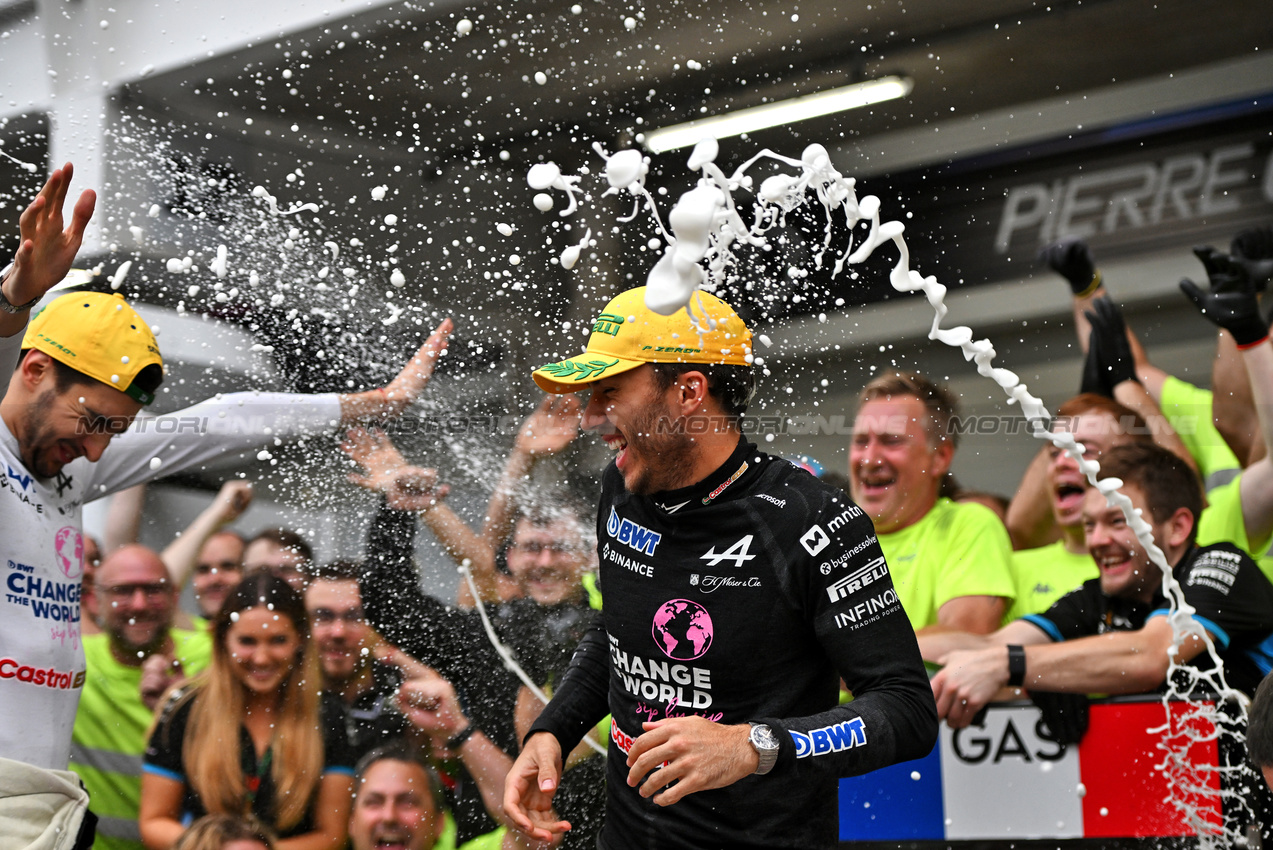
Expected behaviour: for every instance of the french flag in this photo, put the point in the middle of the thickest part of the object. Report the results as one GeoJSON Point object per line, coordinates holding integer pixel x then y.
{"type": "Point", "coordinates": [1005, 780]}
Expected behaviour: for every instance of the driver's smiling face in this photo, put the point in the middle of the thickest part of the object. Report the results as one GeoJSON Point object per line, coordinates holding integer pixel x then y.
{"type": "Point", "coordinates": [635, 419]}
{"type": "Point", "coordinates": [61, 425]}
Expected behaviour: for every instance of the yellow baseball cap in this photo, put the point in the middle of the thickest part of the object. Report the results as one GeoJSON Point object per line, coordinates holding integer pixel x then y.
{"type": "Point", "coordinates": [627, 333]}
{"type": "Point", "coordinates": [100, 335]}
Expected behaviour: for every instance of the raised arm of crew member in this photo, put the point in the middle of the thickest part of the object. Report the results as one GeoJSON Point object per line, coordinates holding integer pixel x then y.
{"type": "Point", "coordinates": [1114, 355]}
{"type": "Point", "coordinates": [1231, 304]}
{"type": "Point", "coordinates": [45, 253]}
{"type": "Point", "coordinates": [451, 641]}
{"type": "Point", "coordinates": [123, 518]}
{"type": "Point", "coordinates": [1030, 520]}
{"type": "Point", "coordinates": [181, 554]}
{"type": "Point", "coordinates": [1233, 407]}
{"type": "Point", "coordinates": [242, 421]}
{"type": "Point", "coordinates": [387, 471]}
{"type": "Point", "coordinates": [430, 705]}
{"type": "Point", "coordinates": [552, 427]}
{"type": "Point", "coordinates": [1072, 259]}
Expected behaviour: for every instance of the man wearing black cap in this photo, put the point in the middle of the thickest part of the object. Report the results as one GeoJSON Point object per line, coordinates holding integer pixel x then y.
{"type": "Point", "coordinates": [738, 591]}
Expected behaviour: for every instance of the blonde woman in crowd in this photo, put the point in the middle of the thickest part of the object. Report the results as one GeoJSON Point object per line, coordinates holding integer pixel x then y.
{"type": "Point", "coordinates": [253, 735]}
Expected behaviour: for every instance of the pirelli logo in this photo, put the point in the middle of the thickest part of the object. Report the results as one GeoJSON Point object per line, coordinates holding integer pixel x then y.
{"type": "Point", "coordinates": [852, 583]}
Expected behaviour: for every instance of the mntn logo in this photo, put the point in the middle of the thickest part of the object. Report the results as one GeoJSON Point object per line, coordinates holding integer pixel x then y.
{"type": "Point", "coordinates": [631, 534]}
{"type": "Point", "coordinates": [830, 739]}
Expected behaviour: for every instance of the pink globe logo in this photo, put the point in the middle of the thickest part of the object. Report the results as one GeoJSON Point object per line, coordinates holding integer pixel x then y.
{"type": "Point", "coordinates": [69, 547]}
{"type": "Point", "coordinates": [682, 629]}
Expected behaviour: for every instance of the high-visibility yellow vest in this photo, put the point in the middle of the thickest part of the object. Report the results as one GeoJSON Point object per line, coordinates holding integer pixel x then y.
{"type": "Point", "coordinates": [110, 734]}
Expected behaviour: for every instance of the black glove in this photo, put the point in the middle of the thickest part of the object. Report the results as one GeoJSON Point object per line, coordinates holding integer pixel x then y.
{"type": "Point", "coordinates": [1108, 347]}
{"type": "Point", "coordinates": [1072, 259]}
{"type": "Point", "coordinates": [1230, 303]}
{"type": "Point", "coordinates": [1253, 249]}
{"type": "Point", "coordinates": [1094, 379]}
{"type": "Point", "coordinates": [1065, 715]}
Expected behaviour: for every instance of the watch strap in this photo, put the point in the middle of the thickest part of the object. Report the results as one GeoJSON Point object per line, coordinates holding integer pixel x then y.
{"type": "Point", "coordinates": [1016, 665]}
{"type": "Point", "coordinates": [457, 740]}
{"type": "Point", "coordinates": [8, 306]}
{"type": "Point", "coordinates": [765, 743]}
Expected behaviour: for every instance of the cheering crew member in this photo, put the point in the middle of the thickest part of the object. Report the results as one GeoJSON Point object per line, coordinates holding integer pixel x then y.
{"type": "Point", "coordinates": [1112, 635]}
{"type": "Point", "coordinates": [739, 589]}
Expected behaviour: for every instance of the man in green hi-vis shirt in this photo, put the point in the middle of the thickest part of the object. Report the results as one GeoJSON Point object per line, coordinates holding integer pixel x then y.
{"type": "Point", "coordinates": [137, 602]}
{"type": "Point", "coordinates": [949, 560]}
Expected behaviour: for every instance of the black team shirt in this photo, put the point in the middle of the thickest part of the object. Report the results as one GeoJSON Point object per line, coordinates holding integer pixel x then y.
{"type": "Point", "coordinates": [745, 598]}
{"type": "Point", "coordinates": [1232, 599]}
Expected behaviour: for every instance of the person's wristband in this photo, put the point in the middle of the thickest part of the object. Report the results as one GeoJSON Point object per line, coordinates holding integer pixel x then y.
{"type": "Point", "coordinates": [1016, 666]}
{"type": "Point", "coordinates": [457, 740]}
{"type": "Point", "coordinates": [1250, 333]}
{"type": "Point", "coordinates": [1091, 287]}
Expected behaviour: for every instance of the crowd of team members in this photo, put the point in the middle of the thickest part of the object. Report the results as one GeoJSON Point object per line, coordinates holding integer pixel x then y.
{"type": "Point", "coordinates": [296, 679]}
{"type": "Point", "coordinates": [339, 703]}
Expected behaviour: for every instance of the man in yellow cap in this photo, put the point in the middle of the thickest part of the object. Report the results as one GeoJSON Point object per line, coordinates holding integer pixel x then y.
{"type": "Point", "coordinates": [80, 373]}
{"type": "Point", "coordinates": [739, 590]}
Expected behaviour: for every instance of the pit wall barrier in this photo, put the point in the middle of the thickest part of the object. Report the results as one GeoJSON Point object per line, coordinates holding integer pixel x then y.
{"type": "Point", "coordinates": [1003, 781]}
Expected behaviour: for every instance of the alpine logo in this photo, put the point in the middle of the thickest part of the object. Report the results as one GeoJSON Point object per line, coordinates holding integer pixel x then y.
{"type": "Point", "coordinates": [671, 509]}
{"type": "Point", "coordinates": [631, 534]}
{"type": "Point", "coordinates": [814, 540]}
{"type": "Point", "coordinates": [62, 481]}
{"type": "Point", "coordinates": [739, 553]}
{"type": "Point", "coordinates": [855, 581]}
{"type": "Point", "coordinates": [830, 739]}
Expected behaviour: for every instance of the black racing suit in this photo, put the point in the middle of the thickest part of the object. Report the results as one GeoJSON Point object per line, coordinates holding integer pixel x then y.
{"type": "Point", "coordinates": [746, 598]}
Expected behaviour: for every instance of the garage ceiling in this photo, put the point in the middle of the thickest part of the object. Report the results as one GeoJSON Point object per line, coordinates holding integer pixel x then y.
{"type": "Point", "coordinates": [373, 77]}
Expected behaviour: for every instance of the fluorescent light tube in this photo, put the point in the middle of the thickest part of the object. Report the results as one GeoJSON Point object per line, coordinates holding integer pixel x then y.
{"type": "Point", "coordinates": [777, 114]}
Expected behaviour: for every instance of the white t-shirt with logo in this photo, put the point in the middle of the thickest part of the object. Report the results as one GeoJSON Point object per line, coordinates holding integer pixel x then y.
{"type": "Point", "coordinates": [42, 545]}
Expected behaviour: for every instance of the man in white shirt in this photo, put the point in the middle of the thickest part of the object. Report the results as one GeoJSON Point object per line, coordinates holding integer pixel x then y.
{"type": "Point", "coordinates": [85, 367]}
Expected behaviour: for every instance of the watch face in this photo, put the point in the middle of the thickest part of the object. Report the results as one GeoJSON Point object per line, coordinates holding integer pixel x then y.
{"type": "Point", "coordinates": [764, 738]}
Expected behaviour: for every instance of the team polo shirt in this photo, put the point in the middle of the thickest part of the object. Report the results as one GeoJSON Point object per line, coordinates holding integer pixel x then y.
{"type": "Point", "coordinates": [163, 757]}
{"type": "Point", "coordinates": [110, 734]}
{"type": "Point", "coordinates": [957, 549]}
{"type": "Point", "coordinates": [1087, 611]}
{"type": "Point", "coordinates": [1045, 574]}
{"type": "Point", "coordinates": [1188, 409]}
{"type": "Point", "coordinates": [1231, 597]}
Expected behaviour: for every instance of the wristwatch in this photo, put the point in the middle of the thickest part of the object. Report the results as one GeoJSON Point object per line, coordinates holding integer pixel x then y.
{"type": "Point", "coordinates": [766, 744]}
{"type": "Point", "coordinates": [1016, 666]}
{"type": "Point", "coordinates": [8, 306]}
